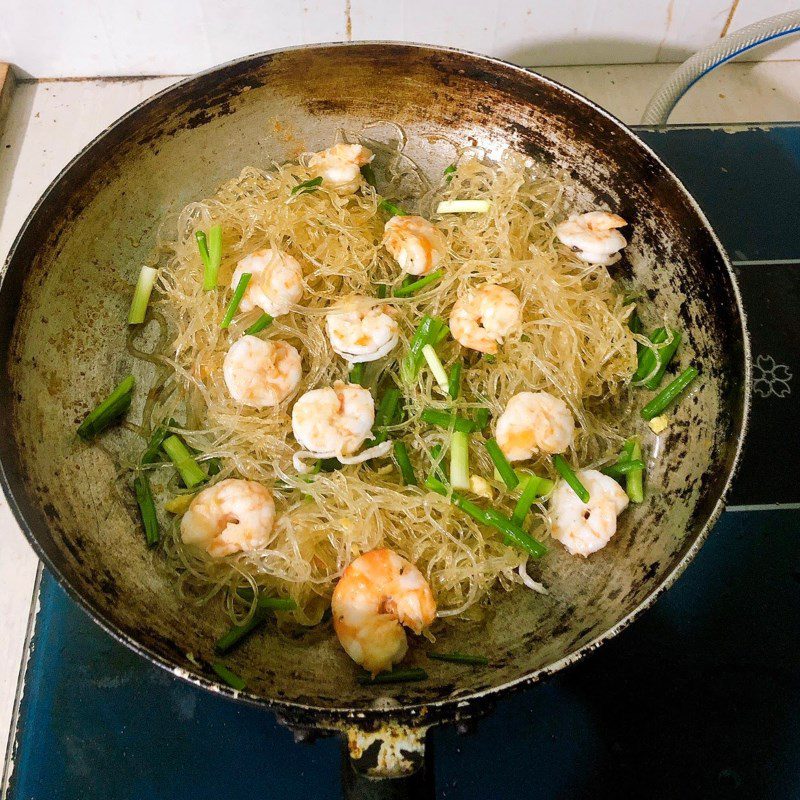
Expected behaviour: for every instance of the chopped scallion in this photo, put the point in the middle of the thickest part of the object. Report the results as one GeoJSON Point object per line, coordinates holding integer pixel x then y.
{"type": "Point", "coordinates": [436, 457]}
{"type": "Point", "coordinates": [501, 463]}
{"type": "Point", "coordinates": [416, 286]}
{"type": "Point", "coordinates": [462, 206]}
{"type": "Point", "coordinates": [634, 480]}
{"type": "Point", "coordinates": [449, 172]}
{"type": "Point", "coordinates": [381, 290]}
{"type": "Point", "coordinates": [147, 508]}
{"type": "Point", "coordinates": [567, 473]}
{"type": "Point", "coordinates": [311, 185]}
{"type": "Point", "coordinates": [653, 361]}
{"type": "Point", "coordinates": [404, 463]}
{"type": "Point", "coordinates": [141, 295]}
{"type": "Point", "coordinates": [231, 678]}
{"type": "Point", "coordinates": [385, 415]}
{"type": "Point", "coordinates": [356, 374]}
{"type": "Point", "coordinates": [460, 658]}
{"type": "Point", "coordinates": [669, 394]}
{"type": "Point", "coordinates": [533, 487]}
{"type": "Point", "coordinates": [454, 380]}
{"type": "Point", "coordinates": [622, 468]}
{"type": "Point", "coordinates": [388, 207]}
{"type": "Point", "coordinates": [481, 417]}
{"type": "Point", "coordinates": [238, 294]}
{"type": "Point", "coordinates": [114, 406]}
{"type": "Point", "coordinates": [160, 432]}
{"type": "Point", "coordinates": [449, 421]}
{"type": "Point", "coordinates": [265, 606]}
{"type": "Point", "coordinates": [215, 257]}
{"type": "Point", "coordinates": [189, 470]}
{"type": "Point", "coordinates": [395, 676]}
{"type": "Point", "coordinates": [264, 321]}
{"type": "Point", "coordinates": [436, 367]}
{"type": "Point", "coordinates": [459, 461]}
{"type": "Point", "coordinates": [426, 333]}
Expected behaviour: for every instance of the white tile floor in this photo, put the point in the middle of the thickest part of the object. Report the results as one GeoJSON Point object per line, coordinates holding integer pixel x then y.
{"type": "Point", "coordinates": [49, 122]}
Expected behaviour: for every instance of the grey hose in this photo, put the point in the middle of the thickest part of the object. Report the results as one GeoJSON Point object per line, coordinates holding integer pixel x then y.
{"type": "Point", "coordinates": [701, 63]}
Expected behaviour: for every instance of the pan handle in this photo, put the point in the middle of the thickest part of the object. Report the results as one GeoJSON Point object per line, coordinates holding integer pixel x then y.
{"type": "Point", "coordinates": [391, 763]}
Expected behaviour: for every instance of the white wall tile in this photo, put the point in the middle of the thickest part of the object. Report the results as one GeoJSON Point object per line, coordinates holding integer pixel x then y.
{"type": "Point", "coordinates": [150, 37]}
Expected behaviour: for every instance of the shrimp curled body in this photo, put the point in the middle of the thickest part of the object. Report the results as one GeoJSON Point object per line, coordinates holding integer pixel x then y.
{"type": "Point", "coordinates": [416, 244]}
{"type": "Point", "coordinates": [583, 528]}
{"type": "Point", "coordinates": [261, 373]}
{"type": "Point", "coordinates": [231, 516]}
{"type": "Point", "coordinates": [340, 166]}
{"type": "Point", "coordinates": [377, 595]}
{"type": "Point", "coordinates": [593, 236]}
{"type": "Point", "coordinates": [361, 331]}
{"type": "Point", "coordinates": [484, 316]}
{"type": "Point", "coordinates": [534, 422]}
{"type": "Point", "coordinates": [276, 283]}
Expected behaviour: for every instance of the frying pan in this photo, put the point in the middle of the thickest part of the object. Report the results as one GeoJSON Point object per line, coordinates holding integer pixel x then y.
{"type": "Point", "coordinates": [63, 304]}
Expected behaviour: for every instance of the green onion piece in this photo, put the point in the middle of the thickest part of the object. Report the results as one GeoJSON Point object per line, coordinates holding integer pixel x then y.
{"type": "Point", "coordinates": [264, 321]}
{"type": "Point", "coordinates": [271, 603]}
{"type": "Point", "coordinates": [652, 357]}
{"type": "Point", "coordinates": [395, 676]}
{"type": "Point", "coordinates": [566, 472]}
{"type": "Point", "coordinates": [356, 374]}
{"type": "Point", "coordinates": [460, 658]}
{"type": "Point", "coordinates": [404, 462]}
{"type": "Point", "coordinates": [387, 409]}
{"type": "Point", "coordinates": [454, 380]}
{"type": "Point", "coordinates": [265, 606]}
{"type": "Point", "coordinates": [449, 421]}
{"type": "Point", "coordinates": [202, 246]}
{"type": "Point", "coordinates": [489, 358]}
{"type": "Point", "coordinates": [141, 295]}
{"type": "Point", "coordinates": [311, 185]}
{"type": "Point", "coordinates": [412, 288]}
{"type": "Point", "coordinates": [388, 207]}
{"type": "Point", "coordinates": [238, 294]}
{"type": "Point", "coordinates": [381, 290]}
{"type": "Point", "coordinates": [635, 323]}
{"type": "Point", "coordinates": [449, 172]}
{"type": "Point", "coordinates": [665, 355]}
{"type": "Point", "coordinates": [531, 489]}
{"type": "Point", "coordinates": [443, 333]}
{"type": "Point", "coordinates": [211, 272]}
{"type": "Point", "coordinates": [436, 457]}
{"type": "Point", "coordinates": [368, 174]}
{"type": "Point", "coordinates": [481, 417]}
{"type": "Point", "coordinates": [189, 470]}
{"type": "Point", "coordinates": [459, 461]}
{"type": "Point", "coordinates": [150, 455]}
{"type": "Point", "coordinates": [669, 394]}
{"type": "Point", "coordinates": [513, 532]}
{"type": "Point", "coordinates": [115, 405]}
{"type": "Point", "coordinates": [501, 462]}
{"type": "Point", "coordinates": [231, 678]}
{"type": "Point", "coordinates": [147, 508]}
{"type": "Point", "coordinates": [427, 331]}
{"type": "Point", "coordinates": [622, 468]}
{"type": "Point", "coordinates": [634, 482]}
{"type": "Point", "coordinates": [436, 367]}
{"type": "Point", "coordinates": [462, 206]}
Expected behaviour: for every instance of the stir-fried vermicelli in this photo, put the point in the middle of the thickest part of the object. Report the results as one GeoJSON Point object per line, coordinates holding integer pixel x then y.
{"type": "Point", "coordinates": [573, 341]}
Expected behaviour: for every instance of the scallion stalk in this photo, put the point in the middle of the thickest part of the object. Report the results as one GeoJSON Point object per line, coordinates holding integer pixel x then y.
{"type": "Point", "coordinates": [388, 207]}
{"type": "Point", "coordinates": [264, 321]}
{"type": "Point", "coordinates": [265, 606]}
{"type": "Point", "coordinates": [505, 469]}
{"type": "Point", "coordinates": [404, 463]}
{"type": "Point", "coordinates": [114, 406]}
{"type": "Point", "coordinates": [215, 257]}
{"type": "Point", "coordinates": [387, 408]}
{"type": "Point", "coordinates": [160, 432]}
{"type": "Point", "coordinates": [141, 295]}
{"type": "Point", "coordinates": [189, 470]}
{"type": "Point", "coordinates": [669, 394]}
{"type": "Point", "coordinates": [463, 206]}
{"type": "Point", "coordinates": [436, 367]}
{"type": "Point", "coordinates": [533, 487]}
{"type": "Point", "coordinates": [238, 294]}
{"type": "Point", "coordinates": [426, 333]}
{"type": "Point", "coordinates": [381, 290]}
{"type": "Point", "coordinates": [436, 457]}
{"type": "Point", "coordinates": [634, 480]}
{"type": "Point", "coordinates": [459, 461]}
{"type": "Point", "coordinates": [356, 374]}
{"type": "Point", "coordinates": [454, 380]}
{"type": "Point", "coordinates": [416, 286]}
{"type": "Point", "coordinates": [311, 185]}
{"type": "Point", "coordinates": [147, 508]}
{"type": "Point", "coordinates": [449, 421]}
{"type": "Point", "coordinates": [622, 468]}
{"type": "Point", "coordinates": [231, 678]}
{"type": "Point", "coordinates": [653, 361]}
{"type": "Point", "coordinates": [449, 172]}
{"type": "Point", "coordinates": [567, 473]}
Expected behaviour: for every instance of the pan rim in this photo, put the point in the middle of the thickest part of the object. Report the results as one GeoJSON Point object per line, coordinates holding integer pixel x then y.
{"type": "Point", "coordinates": [419, 714]}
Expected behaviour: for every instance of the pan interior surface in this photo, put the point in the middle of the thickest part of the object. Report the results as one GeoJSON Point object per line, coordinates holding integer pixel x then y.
{"type": "Point", "coordinates": [69, 283]}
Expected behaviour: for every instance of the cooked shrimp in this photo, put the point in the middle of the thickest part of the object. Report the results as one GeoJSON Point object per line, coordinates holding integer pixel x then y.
{"type": "Point", "coordinates": [484, 316]}
{"type": "Point", "coordinates": [261, 373]}
{"type": "Point", "coordinates": [340, 166]}
{"type": "Point", "coordinates": [361, 331]}
{"type": "Point", "coordinates": [416, 244]}
{"type": "Point", "coordinates": [230, 516]}
{"type": "Point", "coordinates": [593, 236]}
{"type": "Point", "coordinates": [277, 281]}
{"type": "Point", "coordinates": [377, 595]}
{"type": "Point", "coordinates": [534, 422]}
{"type": "Point", "coordinates": [583, 528]}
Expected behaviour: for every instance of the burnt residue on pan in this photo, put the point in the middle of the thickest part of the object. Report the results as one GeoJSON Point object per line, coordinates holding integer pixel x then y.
{"type": "Point", "coordinates": [65, 295]}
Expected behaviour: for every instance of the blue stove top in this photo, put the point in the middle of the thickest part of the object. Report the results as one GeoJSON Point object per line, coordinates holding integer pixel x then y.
{"type": "Point", "coordinates": [698, 699]}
